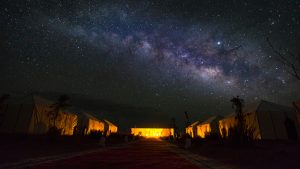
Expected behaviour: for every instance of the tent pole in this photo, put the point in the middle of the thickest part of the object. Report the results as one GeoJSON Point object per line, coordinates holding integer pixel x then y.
{"type": "Point", "coordinates": [18, 116]}
{"type": "Point", "coordinates": [273, 126]}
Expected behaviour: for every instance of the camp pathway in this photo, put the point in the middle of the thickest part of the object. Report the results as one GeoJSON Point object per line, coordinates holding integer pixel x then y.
{"type": "Point", "coordinates": [145, 154]}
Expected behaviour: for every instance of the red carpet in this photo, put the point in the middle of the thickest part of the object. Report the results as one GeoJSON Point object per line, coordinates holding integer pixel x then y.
{"type": "Point", "coordinates": [148, 154]}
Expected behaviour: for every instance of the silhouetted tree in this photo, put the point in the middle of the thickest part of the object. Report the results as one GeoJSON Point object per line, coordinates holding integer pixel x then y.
{"type": "Point", "coordinates": [61, 103]}
{"type": "Point", "coordinates": [288, 59]}
{"type": "Point", "coordinates": [187, 119]}
{"type": "Point", "coordinates": [238, 105]}
{"type": "Point", "coordinates": [174, 126]}
{"type": "Point", "coordinates": [3, 98]}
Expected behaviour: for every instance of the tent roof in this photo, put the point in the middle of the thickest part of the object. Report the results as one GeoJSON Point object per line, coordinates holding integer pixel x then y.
{"type": "Point", "coordinates": [194, 124]}
{"type": "Point", "coordinates": [89, 116]}
{"type": "Point", "coordinates": [263, 106]}
{"type": "Point", "coordinates": [108, 122]}
{"type": "Point", "coordinates": [211, 119]}
{"type": "Point", "coordinates": [28, 99]}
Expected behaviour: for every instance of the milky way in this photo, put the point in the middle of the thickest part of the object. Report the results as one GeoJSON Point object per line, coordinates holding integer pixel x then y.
{"type": "Point", "coordinates": [171, 56]}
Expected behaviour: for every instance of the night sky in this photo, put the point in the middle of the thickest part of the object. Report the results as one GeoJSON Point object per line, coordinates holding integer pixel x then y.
{"type": "Point", "coordinates": [168, 56]}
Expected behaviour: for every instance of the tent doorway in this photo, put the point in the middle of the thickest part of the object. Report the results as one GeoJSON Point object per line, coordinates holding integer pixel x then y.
{"type": "Point", "coordinates": [291, 129]}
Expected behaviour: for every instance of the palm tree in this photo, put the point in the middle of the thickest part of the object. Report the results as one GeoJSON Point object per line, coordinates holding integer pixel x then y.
{"type": "Point", "coordinates": [61, 103]}
{"type": "Point", "coordinates": [238, 104]}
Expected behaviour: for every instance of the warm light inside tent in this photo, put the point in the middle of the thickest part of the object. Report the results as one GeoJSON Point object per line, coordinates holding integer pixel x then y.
{"type": "Point", "coordinates": [95, 125]}
{"type": "Point", "coordinates": [152, 132]}
{"type": "Point", "coordinates": [189, 130]}
{"type": "Point", "coordinates": [203, 130]}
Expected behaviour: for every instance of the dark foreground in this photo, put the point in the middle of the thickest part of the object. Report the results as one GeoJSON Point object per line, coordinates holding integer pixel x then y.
{"type": "Point", "coordinates": [145, 154]}
{"type": "Point", "coordinates": [261, 155]}
{"type": "Point", "coordinates": [85, 153]}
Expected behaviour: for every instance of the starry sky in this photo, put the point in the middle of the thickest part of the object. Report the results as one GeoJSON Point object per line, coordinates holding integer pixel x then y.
{"type": "Point", "coordinates": [164, 56]}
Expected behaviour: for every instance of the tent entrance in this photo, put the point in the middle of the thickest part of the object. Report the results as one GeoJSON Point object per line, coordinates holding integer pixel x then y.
{"type": "Point", "coordinates": [291, 129]}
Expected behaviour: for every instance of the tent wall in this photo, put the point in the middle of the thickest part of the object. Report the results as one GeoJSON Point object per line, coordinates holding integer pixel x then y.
{"type": "Point", "coordinates": [23, 118]}
{"type": "Point", "coordinates": [208, 128]}
{"type": "Point", "coordinates": [113, 129]}
{"type": "Point", "coordinates": [267, 121]}
{"type": "Point", "coordinates": [152, 132]}
{"type": "Point", "coordinates": [40, 122]}
{"type": "Point", "coordinates": [272, 124]}
{"type": "Point", "coordinates": [191, 130]}
{"type": "Point", "coordinates": [298, 119]}
{"type": "Point", "coordinates": [251, 124]}
{"type": "Point", "coordinates": [110, 128]}
{"type": "Point", "coordinates": [87, 123]}
{"type": "Point", "coordinates": [203, 129]}
{"type": "Point", "coordinates": [226, 124]}
{"type": "Point", "coordinates": [95, 125]}
{"type": "Point", "coordinates": [68, 123]}
{"type": "Point", "coordinates": [31, 116]}
{"type": "Point", "coordinates": [16, 118]}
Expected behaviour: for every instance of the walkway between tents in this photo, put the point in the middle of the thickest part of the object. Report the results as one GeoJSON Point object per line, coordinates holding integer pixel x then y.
{"type": "Point", "coordinates": [144, 154]}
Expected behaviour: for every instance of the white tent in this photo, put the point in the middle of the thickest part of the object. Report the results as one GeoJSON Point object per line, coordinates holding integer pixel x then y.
{"type": "Point", "coordinates": [209, 126]}
{"type": "Point", "coordinates": [87, 123]}
{"type": "Point", "coordinates": [109, 127]}
{"type": "Point", "coordinates": [297, 106]}
{"type": "Point", "coordinates": [30, 114]}
{"type": "Point", "coordinates": [192, 129]}
{"type": "Point", "coordinates": [267, 120]}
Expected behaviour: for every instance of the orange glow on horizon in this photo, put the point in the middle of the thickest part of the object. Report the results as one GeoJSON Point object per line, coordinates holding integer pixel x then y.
{"type": "Point", "coordinates": [152, 132]}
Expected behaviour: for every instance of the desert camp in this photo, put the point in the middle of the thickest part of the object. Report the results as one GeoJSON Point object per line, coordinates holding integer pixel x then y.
{"type": "Point", "coordinates": [265, 120]}
{"type": "Point", "coordinates": [149, 84]}
{"type": "Point", "coordinates": [32, 115]}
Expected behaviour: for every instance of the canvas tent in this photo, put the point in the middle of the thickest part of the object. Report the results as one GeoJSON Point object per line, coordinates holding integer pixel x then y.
{"type": "Point", "coordinates": [152, 132]}
{"type": "Point", "coordinates": [297, 105]}
{"type": "Point", "coordinates": [192, 129]}
{"type": "Point", "coordinates": [266, 120]}
{"type": "Point", "coordinates": [87, 123]}
{"type": "Point", "coordinates": [109, 127]}
{"type": "Point", "coordinates": [30, 114]}
{"type": "Point", "coordinates": [209, 126]}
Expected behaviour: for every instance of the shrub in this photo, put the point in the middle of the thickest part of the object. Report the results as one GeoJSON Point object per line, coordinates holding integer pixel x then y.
{"type": "Point", "coordinates": [54, 131]}
{"type": "Point", "coordinates": [213, 136]}
{"type": "Point", "coordinates": [95, 134]}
